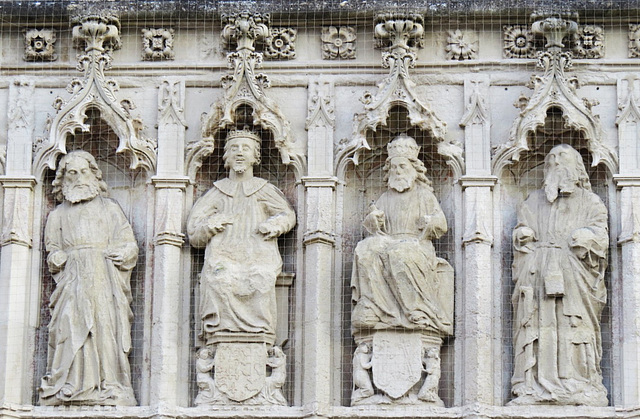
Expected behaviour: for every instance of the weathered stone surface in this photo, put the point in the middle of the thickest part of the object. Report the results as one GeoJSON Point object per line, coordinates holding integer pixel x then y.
{"type": "Point", "coordinates": [91, 251]}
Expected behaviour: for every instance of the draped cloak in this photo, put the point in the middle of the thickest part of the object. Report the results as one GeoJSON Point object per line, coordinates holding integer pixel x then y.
{"type": "Point", "coordinates": [237, 283]}
{"type": "Point", "coordinates": [558, 299]}
{"type": "Point", "coordinates": [90, 327]}
{"type": "Point", "coordinates": [397, 280]}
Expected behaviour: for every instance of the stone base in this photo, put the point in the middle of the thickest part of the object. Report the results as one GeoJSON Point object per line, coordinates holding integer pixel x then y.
{"type": "Point", "coordinates": [396, 367]}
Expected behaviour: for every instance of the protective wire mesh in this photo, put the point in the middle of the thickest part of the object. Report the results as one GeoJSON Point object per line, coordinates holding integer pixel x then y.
{"type": "Point", "coordinates": [338, 44]}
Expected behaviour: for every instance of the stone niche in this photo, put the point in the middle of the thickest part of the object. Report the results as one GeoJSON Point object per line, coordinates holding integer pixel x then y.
{"type": "Point", "coordinates": [153, 89]}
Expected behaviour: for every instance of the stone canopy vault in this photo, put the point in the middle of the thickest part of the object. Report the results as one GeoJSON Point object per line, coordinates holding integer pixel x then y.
{"type": "Point", "coordinates": [330, 209]}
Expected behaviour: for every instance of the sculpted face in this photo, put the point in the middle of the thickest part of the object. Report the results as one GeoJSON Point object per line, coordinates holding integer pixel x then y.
{"type": "Point", "coordinates": [561, 173]}
{"type": "Point", "coordinates": [402, 174]}
{"type": "Point", "coordinates": [79, 182]}
{"type": "Point", "coordinates": [240, 154]}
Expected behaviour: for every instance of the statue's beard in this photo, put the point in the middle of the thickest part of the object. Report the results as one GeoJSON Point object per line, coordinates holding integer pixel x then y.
{"type": "Point", "coordinates": [560, 181]}
{"type": "Point", "coordinates": [402, 183]}
{"type": "Point", "coordinates": [77, 192]}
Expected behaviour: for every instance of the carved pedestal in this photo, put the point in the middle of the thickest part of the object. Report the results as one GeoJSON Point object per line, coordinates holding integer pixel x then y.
{"type": "Point", "coordinates": [240, 368]}
{"type": "Point", "coordinates": [396, 367]}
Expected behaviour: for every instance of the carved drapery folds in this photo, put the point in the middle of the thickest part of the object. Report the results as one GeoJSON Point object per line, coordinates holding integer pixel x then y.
{"type": "Point", "coordinates": [245, 88]}
{"type": "Point", "coordinates": [555, 90]}
{"type": "Point", "coordinates": [99, 36]}
{"type": "Point", "coordinates": [403, 35]}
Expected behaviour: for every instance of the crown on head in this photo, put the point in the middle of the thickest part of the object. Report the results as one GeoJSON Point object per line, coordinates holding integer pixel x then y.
{"type": "Point", "coordinates": [403, 146]}
{"type": "Point", "coordinates": [243, 133]}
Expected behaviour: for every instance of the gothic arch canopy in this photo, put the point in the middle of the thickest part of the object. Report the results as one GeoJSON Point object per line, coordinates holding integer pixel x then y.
{"type": "Point", "coordinates": [245, 88]}
{"type": "Point", "coordinates": [100, 35]}
{"type": "Point", "coordinates": [555, 90]}
{"type": "Point", "coordinates": [395, 90]}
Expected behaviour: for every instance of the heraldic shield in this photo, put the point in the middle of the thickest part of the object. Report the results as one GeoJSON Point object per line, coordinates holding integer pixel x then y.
{"type": "Point", "coordinates": [396, 361]}
{"type": "Point", "coordinates": [240, 369]}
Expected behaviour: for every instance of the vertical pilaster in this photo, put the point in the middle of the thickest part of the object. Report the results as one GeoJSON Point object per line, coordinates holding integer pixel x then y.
{"type": "Point", "coordinates": [625, 300]}
{"type": "Point", "coordinates": [476, 305]}
{"type": "Point", "coordinates": [16, 325]}
{"type": "Point", "coordinates": [169, 347]}
{"type": "Point", "coordinates": [319, 243]}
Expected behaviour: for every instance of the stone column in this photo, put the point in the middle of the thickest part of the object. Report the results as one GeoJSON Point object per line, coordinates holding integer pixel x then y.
{"type": "Point", "coordinates": [625, 298]}
{"type": "Point", "coordinates": [169, 351]}
{"type": "Point", "coordinates": [319, 243]}
{"type": "Point", "coordinates": [17, 299]}
{"type": "Point", "coordinates": [475, 331]}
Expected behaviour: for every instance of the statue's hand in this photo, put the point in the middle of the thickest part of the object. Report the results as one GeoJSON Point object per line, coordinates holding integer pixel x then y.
{"type": "Point", "coordinates": [580, 242]}
{"type": "Point", "coordinates": [56, 260]}
{"type": "Point", "coordinates": [268, 230]}
{"type": "Point", "coordinates": [218, 222]}
{"type": "Point", "coordinates": [374, 221]}
{"type": "Point", "coordinates": [522, 237]}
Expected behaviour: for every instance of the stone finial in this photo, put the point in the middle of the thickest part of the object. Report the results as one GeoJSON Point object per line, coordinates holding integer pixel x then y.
{"type": "Point", "coordinates": [554, 29]}
{"type": "Point", "coordinates": [97, 32]}
{"type": "Point", "coordinates": [400, 31]}
{"type": "Point", "coordinates": [245, 29]}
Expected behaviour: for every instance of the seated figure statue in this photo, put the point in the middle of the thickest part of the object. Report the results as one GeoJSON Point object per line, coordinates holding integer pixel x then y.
{"type": "Point", "coordinates": [238, 221]}
{"type": "Point", "coordinates": [398, 283]}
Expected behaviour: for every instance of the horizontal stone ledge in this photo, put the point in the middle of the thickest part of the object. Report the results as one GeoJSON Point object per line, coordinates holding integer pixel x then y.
{"type": "Point", "coordinates": [337, 412]}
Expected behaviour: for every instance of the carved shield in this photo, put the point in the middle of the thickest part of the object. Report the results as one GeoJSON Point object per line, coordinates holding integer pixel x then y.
{"type": "Point", "coordinates": [240, 369]}
{"type": "Point", "coordinates": [396, 361]}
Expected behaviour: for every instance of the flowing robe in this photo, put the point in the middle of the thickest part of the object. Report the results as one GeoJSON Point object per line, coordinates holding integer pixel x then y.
{"type": "Point", "coordinates": [90, 328]}
{"type": "Point", "coordinates": [237, 284]}
{"type": "Point", "coordinates": [397, 280]}
{"type": "Point", "coordinates": [558, 299]}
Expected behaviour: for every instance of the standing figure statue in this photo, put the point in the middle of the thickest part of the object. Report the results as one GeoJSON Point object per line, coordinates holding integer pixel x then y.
{"type": "Point", "coordinates": [402, 292]}
{"type": "Point", "coordinates": [560, 256]}
{"type": "Point", "coordinates": [238, 221]}
{"type": "Point", "coordinates": [92, 251]}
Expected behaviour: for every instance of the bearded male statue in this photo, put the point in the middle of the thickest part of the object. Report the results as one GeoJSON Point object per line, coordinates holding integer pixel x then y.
{"type": "Point", "coordinates": [238, 221]}
{"type": "Point", "coordinates": [560, 256]}
{"type": "Point", "coordinates": [402, 292]}
{"type": "Point", "coordinates": [92, 251]}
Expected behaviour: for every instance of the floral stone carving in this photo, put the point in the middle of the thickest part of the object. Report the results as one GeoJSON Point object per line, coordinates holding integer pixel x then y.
{"type": "Point", "coordinates": [338, 42]}
{"type": "Point", "coordinates": [589, 42]}
{"type": "Point", "coordinates": [157, 44]}
{"type": "Point", "coordinates": [518, 42]}
{"type": "Point", "coordinates": [280, 44]}
{"type": "Point", "coordinates": [459, 47]}
{"type": "Point", "coordinates": [402, 292]}
{"type": "Point", "coordinates": [92, 251]}
{"type": "Point", "coordinates": [39, 45]}
{"type": "Point", "coordinates": [634, 40]}
{"type": "Point", "coordinates": [238, 222]}
{"type": "Point", "coordinates": [560, 257]}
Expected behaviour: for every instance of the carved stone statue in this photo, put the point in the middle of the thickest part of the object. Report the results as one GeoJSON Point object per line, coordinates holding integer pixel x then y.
{"type": "Point", "coordinates": [560, 256]}
{"type": "Point", "coordinates": [403, 293]}
{"type": "Point", "coordinates": [238, 221]}
{"type": "Point", "coordinates": [92, 251]}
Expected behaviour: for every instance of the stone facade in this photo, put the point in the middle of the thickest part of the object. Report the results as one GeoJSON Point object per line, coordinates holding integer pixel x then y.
{"type": "Point", "coordinates": [323, 90]}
